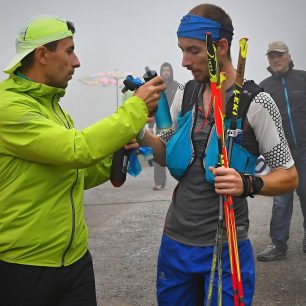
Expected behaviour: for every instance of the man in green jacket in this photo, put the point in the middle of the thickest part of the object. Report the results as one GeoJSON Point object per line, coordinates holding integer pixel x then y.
{"type": "Point", "coordinates": [45, 165]}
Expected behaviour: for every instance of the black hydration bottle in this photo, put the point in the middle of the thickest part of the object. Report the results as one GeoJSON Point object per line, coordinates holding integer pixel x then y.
{"type": "Point", "coordinates": [121, 157]}
{"type": "Point", "coordinates": [119, 167]}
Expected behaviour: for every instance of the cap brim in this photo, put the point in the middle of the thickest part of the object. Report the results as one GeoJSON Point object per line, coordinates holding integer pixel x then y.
{"type": "Point", "coordinates": [277, 50]}
{"type": "Point", "coordinates": [15, 62]}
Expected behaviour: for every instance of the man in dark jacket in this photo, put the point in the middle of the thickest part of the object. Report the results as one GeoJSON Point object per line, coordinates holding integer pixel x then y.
{"type": "Point", "coordinates": [287, 86]}
{"type": "Point", "coordinates": [166, 72]}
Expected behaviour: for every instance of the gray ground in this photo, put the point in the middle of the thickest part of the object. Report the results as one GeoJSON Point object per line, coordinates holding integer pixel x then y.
{"type": "Point", "coordinates": [125, 228]}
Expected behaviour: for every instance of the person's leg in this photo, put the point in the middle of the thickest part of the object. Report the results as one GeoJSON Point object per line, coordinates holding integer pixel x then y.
{"type": "Point", "coordinates": [279, 228]}
{"type": "Point", "coordinates": [180, 266]}
{"type": "Point", "coordinates": [280, 220]}
{"type": "Point", "coordinates": [79, 284]}
{"type": "Point", "coordinates": [301, 189]}
{"type": "Point", "coordinates": [24, 285]}
{"type": "Point", "coordinates": [159, 173]}
{"type": "Point", "coordinates": [175, 284]}
{"type": "Point", "coordinates": [247, 268]}
{"type": "Point", "coordinates": [159, 176]}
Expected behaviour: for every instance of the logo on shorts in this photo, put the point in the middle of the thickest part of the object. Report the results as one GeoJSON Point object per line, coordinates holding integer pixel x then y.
{"type": "Point", "coordinates": [162, 275]}
{"type": "Point", "coordinates": [241, 229]}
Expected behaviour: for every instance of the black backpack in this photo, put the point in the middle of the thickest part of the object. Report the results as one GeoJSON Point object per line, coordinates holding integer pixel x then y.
{"type": "Point", "coordinates": [249, 90]}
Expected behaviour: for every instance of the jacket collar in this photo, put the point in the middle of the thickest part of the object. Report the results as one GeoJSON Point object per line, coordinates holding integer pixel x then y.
{"type": "Point", "coordinates": [35, 90]}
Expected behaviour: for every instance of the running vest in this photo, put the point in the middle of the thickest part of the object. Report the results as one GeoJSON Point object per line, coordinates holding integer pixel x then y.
{"type": "Point", "coordinates": [180, 149]}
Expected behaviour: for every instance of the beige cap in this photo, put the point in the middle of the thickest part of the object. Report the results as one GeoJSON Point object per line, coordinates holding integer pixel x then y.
{"type": "Point", "coordinates": [277, 46]}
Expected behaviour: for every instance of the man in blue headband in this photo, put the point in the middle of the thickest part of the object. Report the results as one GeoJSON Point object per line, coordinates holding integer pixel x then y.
{"type": "Point", "coordinates": [187, 244]}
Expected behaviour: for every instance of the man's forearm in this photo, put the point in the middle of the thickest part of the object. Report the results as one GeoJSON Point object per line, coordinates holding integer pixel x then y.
{"type": "Point", "coordinates": [159, 149]}
{"type": "Point", "coordinates": [280, 181]}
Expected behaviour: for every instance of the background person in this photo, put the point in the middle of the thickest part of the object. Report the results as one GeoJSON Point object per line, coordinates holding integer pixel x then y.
{"type": "Point", "coordinates": [287, 86]}
{"type": "Point", "coordinates": [166, 72]}
{"type": "Point", "coordinates": [45, 166]}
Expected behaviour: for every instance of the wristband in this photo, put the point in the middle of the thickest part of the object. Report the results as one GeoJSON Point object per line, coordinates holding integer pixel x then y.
{"type": "Point", "coordinates": [254, 183]}
{"type": "Point", "coordinates": [141, 134]}
{"type": "Point", "coordinates": [246, 180]}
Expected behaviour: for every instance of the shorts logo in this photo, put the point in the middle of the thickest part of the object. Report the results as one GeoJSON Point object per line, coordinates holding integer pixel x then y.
{"type": "Point", "coordinates": [162, 276]}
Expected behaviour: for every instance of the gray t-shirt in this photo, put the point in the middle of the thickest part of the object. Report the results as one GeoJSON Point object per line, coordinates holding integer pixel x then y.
{"type": "Point", "coordinates": [193, 213]}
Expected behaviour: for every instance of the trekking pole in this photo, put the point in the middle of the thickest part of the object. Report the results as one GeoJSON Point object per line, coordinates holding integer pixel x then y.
{"type": "Point", "coordinates": [233, 132]}
{"type": "Point", "coordinates": [223, 161]}
{"type": "Point", "coordinates": [215, 81]}
{"type": "Point", "coordinates": [217, 253]}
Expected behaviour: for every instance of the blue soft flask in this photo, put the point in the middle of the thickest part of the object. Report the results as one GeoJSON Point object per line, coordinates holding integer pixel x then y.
{"type": "Point", "coordinates": [163, 117]}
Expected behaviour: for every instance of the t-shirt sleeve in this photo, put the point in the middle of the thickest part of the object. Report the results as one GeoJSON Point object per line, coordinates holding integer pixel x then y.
{"type": "Point", "coordinates": [265, 119]}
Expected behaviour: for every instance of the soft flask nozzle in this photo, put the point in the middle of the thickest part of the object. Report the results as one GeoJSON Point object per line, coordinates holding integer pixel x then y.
{"type": "Point", "coordinates": [149, 74]}
{"type": "Point", "coordinates": [119, 167]}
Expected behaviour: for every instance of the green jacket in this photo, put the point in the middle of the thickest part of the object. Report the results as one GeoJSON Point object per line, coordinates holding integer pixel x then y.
{"type": "Point", "coordinates": [45, 165]}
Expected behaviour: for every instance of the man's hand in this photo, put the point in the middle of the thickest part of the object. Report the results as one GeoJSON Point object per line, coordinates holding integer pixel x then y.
{"type": "Point", "coordinates": [227, 181]}
{"type": "Point", "coordinates": [149, 93]}
{"type": "Point", "coordinates": [132, 145]}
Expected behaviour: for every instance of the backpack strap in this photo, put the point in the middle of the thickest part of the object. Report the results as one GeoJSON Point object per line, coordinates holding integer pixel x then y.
{"type": "Point", "coordinates": [191, 90]}
{"type": "Point", "coordinates": [249, 90]}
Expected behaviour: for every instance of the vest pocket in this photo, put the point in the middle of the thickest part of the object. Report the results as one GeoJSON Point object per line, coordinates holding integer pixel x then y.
{"type": "Point", "coordinates": [179, 147]}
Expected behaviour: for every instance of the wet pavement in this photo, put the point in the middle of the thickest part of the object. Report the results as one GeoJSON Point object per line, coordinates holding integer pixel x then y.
{"type": "Point", "coordinates": [125, 226]}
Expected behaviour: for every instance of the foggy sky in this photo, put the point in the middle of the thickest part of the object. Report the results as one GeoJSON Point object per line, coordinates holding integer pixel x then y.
{"type": "Point", "coordinates": [128, 35]}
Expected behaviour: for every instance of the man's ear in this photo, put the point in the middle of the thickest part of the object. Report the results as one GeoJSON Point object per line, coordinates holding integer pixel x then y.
{"type": "Point", "coordinates": [41, 55]}
{"type": "Point", "coordinates": [222, 47]}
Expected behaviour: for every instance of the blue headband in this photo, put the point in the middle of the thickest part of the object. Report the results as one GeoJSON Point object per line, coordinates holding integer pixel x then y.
{"type": "Point", "coordinates": [196, 27]}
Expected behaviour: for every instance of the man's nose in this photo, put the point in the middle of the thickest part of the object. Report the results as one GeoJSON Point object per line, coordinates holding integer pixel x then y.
{"type": "Point", "coordinates": [186, 61]}
{"type": "Point", "coordinates": [76, 63]}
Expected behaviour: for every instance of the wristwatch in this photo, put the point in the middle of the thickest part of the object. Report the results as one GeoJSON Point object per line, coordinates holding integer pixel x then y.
{"type": "Point", "coordinates": [257, 184]}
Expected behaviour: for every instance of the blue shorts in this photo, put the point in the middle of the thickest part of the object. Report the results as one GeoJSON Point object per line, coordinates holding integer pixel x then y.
{"type": "Point", "coordinates": [180, 266]}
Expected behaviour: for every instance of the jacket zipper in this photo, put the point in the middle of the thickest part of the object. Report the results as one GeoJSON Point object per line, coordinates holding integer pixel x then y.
{"type": "Point", "coordinates": [72, 188]}
{"type": "Point", "coordinates": [66, 125]}
{"type": "Point", "coordinates": [289, 111]}
{"type": "Point", "coordinates": [72, 221]}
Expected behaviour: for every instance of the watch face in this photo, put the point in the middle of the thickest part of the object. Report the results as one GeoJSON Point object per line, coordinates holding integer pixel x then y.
{"type": "Point", "coordinates": [257, 184]}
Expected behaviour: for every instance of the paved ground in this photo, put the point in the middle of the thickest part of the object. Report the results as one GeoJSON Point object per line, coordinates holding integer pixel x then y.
{"type": "Point", "coordinates": [125, 228]}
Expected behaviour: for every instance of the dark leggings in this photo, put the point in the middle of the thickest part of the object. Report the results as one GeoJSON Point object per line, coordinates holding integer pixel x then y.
{"type": "Point", "coordinates": [23, 285]}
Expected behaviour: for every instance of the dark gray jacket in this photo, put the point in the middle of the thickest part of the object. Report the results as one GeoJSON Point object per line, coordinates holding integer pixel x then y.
{"type": "Point", "coordinates": [289, 93]}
